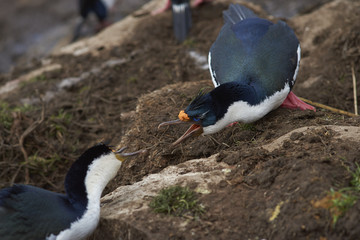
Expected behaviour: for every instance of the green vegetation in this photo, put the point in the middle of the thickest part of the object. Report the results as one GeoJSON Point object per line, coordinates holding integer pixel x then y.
{"type": "Point", "coordinates": [247, 126]}
{"type": "Point", "coordinates": [343, 199]}
{"type": "Point", "coordinates": [6, 113]}
{"type": "Point", "coordinates": [355, 182]}
{"type": "Point", "coordinates": [84, 89]}
{"type": "Point", "coordinates": [62, 116]}
{"type": "Point", "coordinates": [189, 42]}
{"type": "Point", "coordinates": [39, 78]}
{"type": "Point", "coordinates": [59, 121]}
{"type": "Point", "coordinates": [132, 80]}
{"type": "Point", "coordinates": [166, 72]}
{"type": "Point", "coordinates": [177, 201]}
{"type": "Point", "coordinates": [342, 78]}
{"type": "Point", "coordinates": [340, 202]}
{"type": "Point", "coordinates": [41, 165]}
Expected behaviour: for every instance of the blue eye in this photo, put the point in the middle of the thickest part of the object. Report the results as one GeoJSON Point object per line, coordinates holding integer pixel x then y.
{"type": "Point", "coordinates": [196, 119]}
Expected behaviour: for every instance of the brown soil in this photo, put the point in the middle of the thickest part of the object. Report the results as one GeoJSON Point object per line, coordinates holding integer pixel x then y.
{"type": "Point", "coordinates": [102, 106]}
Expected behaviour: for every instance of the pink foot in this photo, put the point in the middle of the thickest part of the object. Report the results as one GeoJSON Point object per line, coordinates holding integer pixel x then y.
{"type": "Point", "coordinates": [232, 124]}
{"type": "Point", "coordinates": [199, 2]}
{"type": "Point", "coordinates": [293, 102]}
{"type": "Point", "coordinates": [163, 9]}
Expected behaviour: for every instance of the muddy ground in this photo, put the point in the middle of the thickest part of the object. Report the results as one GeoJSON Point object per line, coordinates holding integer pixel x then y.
{"type": "Point", "coordinates": [38, 143]}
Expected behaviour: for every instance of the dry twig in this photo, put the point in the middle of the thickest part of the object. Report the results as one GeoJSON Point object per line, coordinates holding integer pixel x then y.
{"type": "Point", "coordinates": [328, 108]}
{"type": "Point", "coordinates": [31, 128]}
{"type": "Point", "coordinates": [354, 87]}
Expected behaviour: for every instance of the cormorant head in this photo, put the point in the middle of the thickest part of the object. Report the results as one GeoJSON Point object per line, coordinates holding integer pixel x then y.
{"type": "Point", "coordinates": [200, 113]}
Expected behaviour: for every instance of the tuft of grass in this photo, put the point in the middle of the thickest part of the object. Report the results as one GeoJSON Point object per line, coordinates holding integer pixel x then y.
{"type": "Point", "coordinates": [247, 126]}
{"type": "Point", "coordinates": [6, 113]}
{"type": "Point", "coordinates": [62, 116]}
{"type": "Point", "coordinates": [39, 164]}
{"type": "Point", "coordinates": [343, 199]}
{"type": "Point", "coordinates": [189, 42]}
{"type": "Point", "coordinates": [342, 78]}
{"type": "Point", "coordinates": [39, 78]}
{"type": "Point", "coordinates": [177, 201]}
{"type": "Point", "coordinates": [132, 80]}
{"type": "Point", "coordinates": [84, 89]}
{"type": "Point", "coordinates": [355, 181]}
{"type": "Point", "coordinates": [340, 202]}
{"type": "Point", "coordinates": [59, 122]}
{"type": "Point", "coordinates": [167, 73]}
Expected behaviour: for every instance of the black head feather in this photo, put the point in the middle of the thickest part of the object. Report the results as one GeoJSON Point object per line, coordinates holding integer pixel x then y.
{"type": "Point", "coordinates": [199, 100]}
{"type": "Point", "coordinates": [201, 109]}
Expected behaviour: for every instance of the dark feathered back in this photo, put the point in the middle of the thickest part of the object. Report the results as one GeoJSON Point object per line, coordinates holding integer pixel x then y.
{"type": "Point", "coordinates": [237, 13]}
{"type": "Point", "coordinates": [243, 49]}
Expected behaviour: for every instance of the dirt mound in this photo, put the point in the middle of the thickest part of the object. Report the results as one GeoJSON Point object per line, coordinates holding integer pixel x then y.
{"type": "Point", "coordinates": [295, 170]}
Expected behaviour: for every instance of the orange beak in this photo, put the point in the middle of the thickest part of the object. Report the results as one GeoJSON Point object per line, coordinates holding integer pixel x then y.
{"type": "Point", "coordinates": [194, 129]}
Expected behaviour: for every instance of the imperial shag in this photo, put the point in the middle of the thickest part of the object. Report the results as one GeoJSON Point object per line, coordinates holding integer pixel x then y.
{"type": "Point", "coordinates": [32, 213]}
{"type": "Point", "coordinates": [253, 64]}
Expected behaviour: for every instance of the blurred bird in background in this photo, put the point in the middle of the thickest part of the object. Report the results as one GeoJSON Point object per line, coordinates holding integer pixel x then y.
{"type": "Point", "coordinates": [100, 8]}
{"type": "Point", "coordinates": [181, 14]}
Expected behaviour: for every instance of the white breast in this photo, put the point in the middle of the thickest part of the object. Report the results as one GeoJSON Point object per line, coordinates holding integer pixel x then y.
{"type": "Point", "coordinates": [243, 112]}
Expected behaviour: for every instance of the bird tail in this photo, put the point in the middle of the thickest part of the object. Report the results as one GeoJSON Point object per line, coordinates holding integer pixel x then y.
{"type": "Point", "coordinates": [237, 13]}
{"type": "Point", "coordinates": [181, 19]}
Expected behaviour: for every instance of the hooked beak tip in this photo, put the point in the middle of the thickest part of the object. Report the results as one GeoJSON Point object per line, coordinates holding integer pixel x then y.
{"type": "Point", "coordinates": [177, 121]}
{"type": "Point", "coordinates": [194, 130]}
{"type": "Point", "coordinates": [120, 155]}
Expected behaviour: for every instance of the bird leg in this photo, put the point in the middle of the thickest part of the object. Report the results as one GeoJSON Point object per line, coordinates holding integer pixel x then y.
{"type": "Point", "coordinates": [168, 5]}
{"type": "Point", "coordinates": [293, 102]}
{"type": "Point", "coordinates": [232, 124]}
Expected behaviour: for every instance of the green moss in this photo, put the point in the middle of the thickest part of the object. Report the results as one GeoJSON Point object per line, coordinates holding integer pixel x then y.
{"type": "Point", "coordinates": [177, 201]}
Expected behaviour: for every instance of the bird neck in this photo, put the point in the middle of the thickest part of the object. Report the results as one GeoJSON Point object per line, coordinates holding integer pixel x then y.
{"type": "Point", "coordinates": [100, 172]}
{"type": "Point", "coordinates": [85, 183]}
